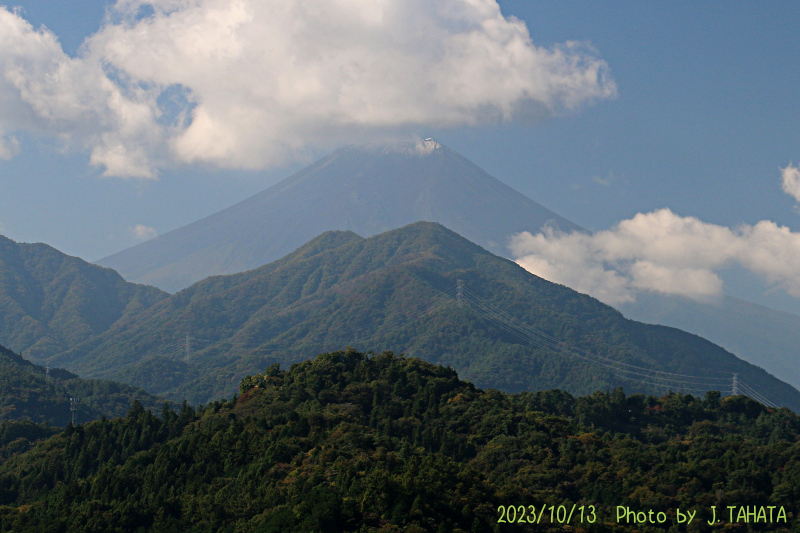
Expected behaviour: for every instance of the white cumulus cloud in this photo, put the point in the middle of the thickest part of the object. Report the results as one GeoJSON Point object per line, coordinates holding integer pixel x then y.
{"type": "Point", "coordinates": [790, 177]}
{"type": "Point", "coordinates": [44, 91]}
{"type": "Point", "coordinates": [144, 233]}
{"type": "Point", "coordinates": [252, 83]}
{"type": "Point", "coordinates": [662, 252]}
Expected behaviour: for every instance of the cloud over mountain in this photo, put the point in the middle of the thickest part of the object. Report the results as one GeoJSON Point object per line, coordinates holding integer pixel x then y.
{"type": "Point", "coordinates": [249, 84]}
{"type": "Point", "coordinates": [662, 252]}
{"type": "Point", "coordinates": [143, 233]}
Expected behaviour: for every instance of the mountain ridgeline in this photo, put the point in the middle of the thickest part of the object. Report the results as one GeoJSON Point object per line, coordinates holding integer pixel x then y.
{"type": "Point", "coordinates": [31, 392]}
{"type": "Point", "coordinates": [348, 442]}
{"type": "Point", "coordinates": [35, 402]}
{"type": "Point", "coordinates": [763, 336]}
{"type": "Point", "coordinates": [379, 187]}
{"type": "Point", "coordinates": [50, 301]}
{"type": "Point", "coordinates": [374, 188]}
{"type": "Point", "coordinates": [423, 290]}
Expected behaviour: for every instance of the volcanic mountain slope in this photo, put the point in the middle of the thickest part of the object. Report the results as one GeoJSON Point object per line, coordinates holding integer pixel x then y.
{"type": "Point", "coordinates": [364, 189]}
{"type": "Point", "coordinates": [50, 301]}
{"type": "Point", "coordinates": [505, 328]}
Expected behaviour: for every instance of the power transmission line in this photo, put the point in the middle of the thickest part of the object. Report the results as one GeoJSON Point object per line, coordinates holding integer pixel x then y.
{"type": "Point", "coordinates": [503, 320]}
{"type": "Point", "coordinates": [685, 382]}
{"type": "Point", "coordinates": [544, 340]}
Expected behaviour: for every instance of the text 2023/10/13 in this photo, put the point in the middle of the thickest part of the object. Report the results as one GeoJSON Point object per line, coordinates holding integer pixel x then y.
{"type": "Point", "coordinates": [589, 514]}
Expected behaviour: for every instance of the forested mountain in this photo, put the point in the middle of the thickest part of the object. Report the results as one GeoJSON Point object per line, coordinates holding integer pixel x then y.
{"type": "Point", "coordinates": [385, 186]}
{"type": "Point", "coordinates": [50, 301]}
{"type": "Point", "coordinates": [366, 189]}
{"type": "Point", "coordinates": [26, 393]}
{"type": "Point", "coordinates": [389, 444]}
{"type": "Point", "coordinates": [508, 329]}
{"type": "Point", "coordinates": [762, 336]}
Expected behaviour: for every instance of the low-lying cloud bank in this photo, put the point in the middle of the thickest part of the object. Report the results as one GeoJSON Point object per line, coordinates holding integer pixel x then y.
{"type": "Point", "coordinates": [661, 252]}
{"type": "Point", "coordinates": [252, 83]}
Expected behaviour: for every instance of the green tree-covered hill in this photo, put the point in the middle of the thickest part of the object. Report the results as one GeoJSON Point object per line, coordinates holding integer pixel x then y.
{"type": "Point", "coordinates": [397, 290]}
{"type": "Point", "coordinates": [50, 301]}
{"type": "Point", "coordinates": [27, 394]}
{"type": "Point", "coordinates": [348, 442]}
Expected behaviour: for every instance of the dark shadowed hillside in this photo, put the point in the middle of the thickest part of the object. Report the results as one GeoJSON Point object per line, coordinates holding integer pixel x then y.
{"type": "Point", "coordinates": [27, 392]}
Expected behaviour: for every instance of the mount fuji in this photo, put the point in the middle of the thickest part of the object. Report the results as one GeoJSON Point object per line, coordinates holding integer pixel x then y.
{"type": "Point", "coordinates": [367, 189]}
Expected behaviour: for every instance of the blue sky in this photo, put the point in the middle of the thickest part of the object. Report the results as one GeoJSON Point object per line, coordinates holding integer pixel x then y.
{"type": "Point", "coordinates": [704, 118]}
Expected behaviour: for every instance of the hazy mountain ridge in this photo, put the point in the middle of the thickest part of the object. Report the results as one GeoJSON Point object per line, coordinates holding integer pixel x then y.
{"type": "Point", "coordinates": [393, 291]}
{"type": "Point", "coordinates": [366, 189]}
{"type": "Point", "coordinates": [50, 301]}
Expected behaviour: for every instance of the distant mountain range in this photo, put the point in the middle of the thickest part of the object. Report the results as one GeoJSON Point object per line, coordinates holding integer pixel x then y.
{"type": "Point", "coordinates": [371, 189]}
{"type": "Point", "coordinates": [52, 304]}
{"type": "Point", "coordinates": [50, 301]}
{"type": "Point", "coordinates": [504, 328]}
{"type": "Point", "coordinates": [364, 189]}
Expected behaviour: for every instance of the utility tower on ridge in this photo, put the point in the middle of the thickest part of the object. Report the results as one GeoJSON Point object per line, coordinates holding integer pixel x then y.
{"type": "Point", "coordinates": [73, 406]}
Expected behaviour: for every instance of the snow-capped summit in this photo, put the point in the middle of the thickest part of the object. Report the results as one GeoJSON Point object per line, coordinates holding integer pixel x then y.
{"type": "Point", "coordinates": [427, 146]}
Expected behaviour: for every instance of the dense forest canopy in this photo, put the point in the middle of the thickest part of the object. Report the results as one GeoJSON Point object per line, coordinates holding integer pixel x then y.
{"type": "Point", "coordinates": [359, 442]}
{"type": "Point", "coordinates": [42, 395]}
{"type": "Point", "coordinates": [50, 301]}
